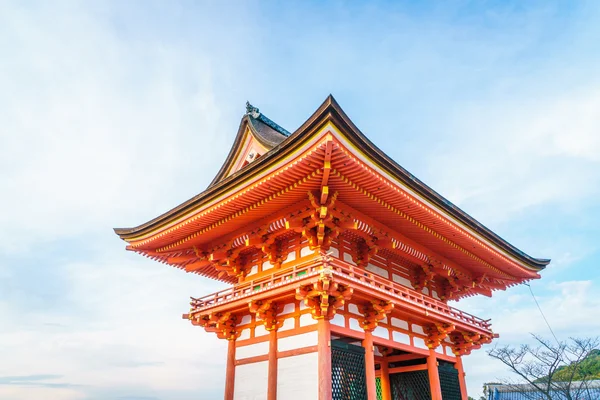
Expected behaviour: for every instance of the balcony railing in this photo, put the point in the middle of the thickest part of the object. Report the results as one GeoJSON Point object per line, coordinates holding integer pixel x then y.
{"type": "Point", "coordinates": [318, 264]}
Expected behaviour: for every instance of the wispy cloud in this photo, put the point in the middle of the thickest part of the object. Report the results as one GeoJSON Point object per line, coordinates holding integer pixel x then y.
{"type": "Point", "coordinates": [36, 380]}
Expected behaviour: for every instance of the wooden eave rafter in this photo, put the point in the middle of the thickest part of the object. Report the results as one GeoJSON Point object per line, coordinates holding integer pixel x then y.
{"type": "Point", "coordinates": [330, 118]}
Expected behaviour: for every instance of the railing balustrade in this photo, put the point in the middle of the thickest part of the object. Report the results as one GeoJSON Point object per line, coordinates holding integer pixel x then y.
{"type": "Point", "coordinates": [319, 264]}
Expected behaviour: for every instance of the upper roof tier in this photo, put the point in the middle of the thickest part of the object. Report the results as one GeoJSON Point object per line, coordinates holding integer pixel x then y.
{"type": "Point", "coordinates": [269, 169]}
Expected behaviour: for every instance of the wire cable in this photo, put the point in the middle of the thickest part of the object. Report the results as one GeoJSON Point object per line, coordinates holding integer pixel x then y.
{"type": "Point", "coordinates": [541, 312]}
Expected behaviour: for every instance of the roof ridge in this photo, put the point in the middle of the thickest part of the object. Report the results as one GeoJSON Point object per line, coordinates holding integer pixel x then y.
{"type": "Point", "coordinates": [255, 113]}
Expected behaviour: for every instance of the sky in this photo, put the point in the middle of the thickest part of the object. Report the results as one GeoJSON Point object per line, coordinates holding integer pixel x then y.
{"type": "Point", "coordinates": [111, 113]}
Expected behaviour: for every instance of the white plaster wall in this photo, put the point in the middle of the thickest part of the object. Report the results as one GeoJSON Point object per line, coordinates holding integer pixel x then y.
{"type": "Point", "coordinates": [401, 337]}
{"type": "Point", "coordinates": [266, 265]}
{"type": "Point", "coordinates": [298, 377]}
{"type": "Point", "coordinates": [245, 334]}
{"type": "Point", "coordinates": [288, 308]}
{"type": "Point", "coordinates": [287, 324]}
{"type": "Point", "coordinates": [338, 320]}
{"type": "Point", "coordinates": [334, 252]}
{"type": "Point", "coordinates": [298, 341]}
{"type": "Point", "coordinates": [307, 319]}
{"type": "Point", "coordinates": [399, 323]}
{"type": "Point", "coordinates": [260, 330]}
{"type": "Point", "coordinates": [401, 280]}
{"type": "Point", "coordinates": [252, 350]}
{"type": "Point", "coordinates": [305, 251]}
{"type": "Point", "coordinates": [381, 332]}
{"type": "Point", "coordinates": [377, 270]}
{"type": "Point", "coordinates": [417, 329]}
{"type": "Point", "coordinates": [348, 258]}
{"type": "Point", "coordinates": [418, 342]}
{"type": "Point", "coordinates": [251, 381]}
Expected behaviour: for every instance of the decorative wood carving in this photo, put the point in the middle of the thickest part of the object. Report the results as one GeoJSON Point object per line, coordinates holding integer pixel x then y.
{"type": "Point", "coordinates": [324, 296]}
{"type": "Point", "coordinates": [436, 333]}
{"type": "Point", "coordinates": [223, 324]}
{"type": "Point", "coordinates": [373, 312]}
{"type": "Point", "coordinates": [464, 342]}
{"type": "Point", "coordinates": [267, 312]}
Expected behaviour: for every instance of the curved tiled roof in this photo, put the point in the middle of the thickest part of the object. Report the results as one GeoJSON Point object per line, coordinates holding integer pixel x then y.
{"type": "Point", "coordinates": [280, 142]}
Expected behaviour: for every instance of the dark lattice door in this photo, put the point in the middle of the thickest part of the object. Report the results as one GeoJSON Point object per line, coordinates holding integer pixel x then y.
{"type": "Point", "coordinates": [348, 381]}
{"type": "Point", "coordinates": [449, 381]}
{"type": "Point", "coordinates": [410, 386]}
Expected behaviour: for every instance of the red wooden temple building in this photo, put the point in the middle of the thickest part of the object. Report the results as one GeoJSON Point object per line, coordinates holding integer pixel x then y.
{"type": "Point", "coordinates": [339, 265]}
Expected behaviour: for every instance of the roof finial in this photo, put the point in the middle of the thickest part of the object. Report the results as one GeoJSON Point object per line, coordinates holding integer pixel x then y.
{"type": "Point", "coordinates": [251, 110]}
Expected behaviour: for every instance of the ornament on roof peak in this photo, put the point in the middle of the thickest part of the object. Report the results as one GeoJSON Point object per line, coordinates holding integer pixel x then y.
{"type": "Point", "coordinates": [251, 110]}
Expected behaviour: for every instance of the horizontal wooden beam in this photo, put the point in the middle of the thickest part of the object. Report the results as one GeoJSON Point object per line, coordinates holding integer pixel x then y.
{"type": "Point", "coordinates": [404, 357]}
{"type": "Point", "coordinates": [412, 368]}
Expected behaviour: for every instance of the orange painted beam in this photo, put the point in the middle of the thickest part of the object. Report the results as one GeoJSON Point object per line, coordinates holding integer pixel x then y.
{"type": "Point", "coordinates": [410, 368]}
{"type": "Point", "coordinates": [370, 366]}
{"type": "Point", "coordinates": [404, 357]}
{"type": "Point", "coordinates": [272, 378]}
{"type": "Point", "coordinates": [324, 344]}
{"type": "Point", "coordinates": [434, 376]}
{"type": "Point", "coordinates": [386, 391]}
{"type": "Point", "coordinates": [230, 373]}
{"type": "Point", "coordinates": [461, 378]}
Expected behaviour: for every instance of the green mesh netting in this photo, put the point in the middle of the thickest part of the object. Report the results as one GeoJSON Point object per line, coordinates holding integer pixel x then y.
{"type": "Point", "coordinates": [449, 381]}
{"type": "Point", "coordinates": [410, 386]}
{"type": "Point", "coordinates": [348, 381]}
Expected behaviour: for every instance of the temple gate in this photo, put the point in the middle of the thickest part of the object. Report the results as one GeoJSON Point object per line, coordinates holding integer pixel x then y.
{"type": "Point", "coordinates": [339, 263]}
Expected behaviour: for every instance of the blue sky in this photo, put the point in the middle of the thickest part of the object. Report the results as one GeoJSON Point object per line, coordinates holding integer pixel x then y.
{"type": "Point", "coordinates": [114, 112]}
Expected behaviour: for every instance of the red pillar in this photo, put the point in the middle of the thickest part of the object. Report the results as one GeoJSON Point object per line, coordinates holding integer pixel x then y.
{"type": "Point", "coordinates": [386, 391]}
{"type": "Point", "coordinates": [324, 350]}
{"type": "Point", "coordinates": [370, 366]}
{"type": "Point", "coordinates": [230, 373]}
{"type": "Point", "coordinates": [434, 376]}
{"type": "Point", "coordinates": [272, 381]}
{"type": "Point", "coordinates": [461, 378]}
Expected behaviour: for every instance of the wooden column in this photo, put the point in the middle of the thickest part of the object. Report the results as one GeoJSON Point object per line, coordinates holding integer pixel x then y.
{"type": "Point", "coordinates": [324, 349]}
{"type": "Point", "coordinates": [272, 381]}
{"type": "Point", "coordinates": [434, 376]}
{"type": "Point", "coordinates": [386, 390]}
{"type": "Point", "coordinates": [461, 378]}
{"type": "Point", "coordinates": [370, 365]}
{"type": "Point", "coordinates": [230, 373]}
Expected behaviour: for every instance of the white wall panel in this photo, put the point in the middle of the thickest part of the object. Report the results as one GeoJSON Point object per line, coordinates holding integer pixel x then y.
{"type": "Point", "coordinates": [288, 324]}
{"type": "Point", "coordinates": [298, 341]}
{"type": "Point", "coordinates": [305, 251]}
{"type": "Point", "coordinates": [418, 342]}
{"type": "Point", "coordinates": [298, 377]}
{"type": "Point", "coordinates": [307, 319]}
{"type": "Point", "coordinates": [251, 381]}
{"type": "Point", "coordinates": [252, 350]}
{"type": "Point", "coordinates": [377, 270]}
{"type": "Point", "coordinates": [401, 280]}
{"type": "Point", "coordinates": [417, 329]}
{"type": "Point", "coordinates": [288, 308]}
{"type": "Point", "coordinates": [338, 320]}
{"type": "Point", "coordinates": [401, 337]}
{"type": "Point", "coordinates": [381, 332]}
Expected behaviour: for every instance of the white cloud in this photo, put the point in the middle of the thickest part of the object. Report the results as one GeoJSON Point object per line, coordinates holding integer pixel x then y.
{"type": "Point", "coordinates": [83, 139]}
{"type": "Point", "coordinates": [121, 330]}
{"type": "Point", "coordinates": [520, 151]}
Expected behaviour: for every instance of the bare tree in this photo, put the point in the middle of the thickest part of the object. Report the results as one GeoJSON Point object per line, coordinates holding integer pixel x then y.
{"type": "Point", "coordinates": [549, 371]}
